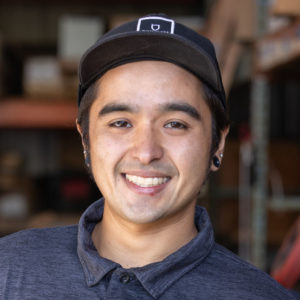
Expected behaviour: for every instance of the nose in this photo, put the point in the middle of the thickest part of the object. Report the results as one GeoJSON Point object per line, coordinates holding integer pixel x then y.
{"type": "Point", "coordinates": [147, 145]}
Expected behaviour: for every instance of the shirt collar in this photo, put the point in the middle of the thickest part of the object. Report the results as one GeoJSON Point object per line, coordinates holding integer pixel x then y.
{"type": "Point", "coordinates": [94, 266]}
{"type": "Point", "coordinates": [156, 277]}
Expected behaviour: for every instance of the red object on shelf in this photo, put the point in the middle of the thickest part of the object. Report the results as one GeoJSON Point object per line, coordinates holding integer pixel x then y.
{"type": "Point", "coordinates": [286, 269]}
{"type": "Point", "coordinates": [75, 189]}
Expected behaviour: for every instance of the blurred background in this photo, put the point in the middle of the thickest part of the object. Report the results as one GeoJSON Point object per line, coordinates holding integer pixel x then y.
{"type": "Point", "coordinates": [254, 200]}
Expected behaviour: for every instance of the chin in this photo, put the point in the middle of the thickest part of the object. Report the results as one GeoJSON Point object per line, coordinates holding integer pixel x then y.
{"type": "Point", "coordinates": [139, 216]}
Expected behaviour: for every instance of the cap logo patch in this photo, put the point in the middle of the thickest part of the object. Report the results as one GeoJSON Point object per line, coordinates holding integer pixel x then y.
{"type": "Point", "coordinates": [155, 27]}
{"type": "Point", "coordinates": [156, 24]}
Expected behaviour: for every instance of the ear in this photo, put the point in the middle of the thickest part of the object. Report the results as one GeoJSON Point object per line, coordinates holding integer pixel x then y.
{"type": "Point", "coordinates": [220, 151]}
{"type": "Point", "coordinates": [80, 132]}
{"type": "Point", "coordinates": [78, 128]}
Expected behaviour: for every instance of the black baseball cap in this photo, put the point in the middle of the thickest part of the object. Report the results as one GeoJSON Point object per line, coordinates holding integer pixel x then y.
{"type": "Point", "coordinates": [153, 37]}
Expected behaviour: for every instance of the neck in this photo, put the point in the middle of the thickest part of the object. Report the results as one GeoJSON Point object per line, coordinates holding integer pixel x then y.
{"type": "Point", "coordinates": [136, 245]}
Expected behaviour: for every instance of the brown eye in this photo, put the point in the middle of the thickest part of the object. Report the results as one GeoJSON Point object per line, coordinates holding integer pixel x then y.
{"type": "Point", "coordinates": [175, 125]}
{"type": "Point", "coordinates": [121, 124]}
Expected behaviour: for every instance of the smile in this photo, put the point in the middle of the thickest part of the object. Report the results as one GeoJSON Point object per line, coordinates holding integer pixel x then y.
{"type": "Point", "coordinates": [146, 181]}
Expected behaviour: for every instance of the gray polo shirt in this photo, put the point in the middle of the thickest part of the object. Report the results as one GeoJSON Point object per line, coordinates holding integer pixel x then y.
{"type": "Point", "coordinates": [62, 263]}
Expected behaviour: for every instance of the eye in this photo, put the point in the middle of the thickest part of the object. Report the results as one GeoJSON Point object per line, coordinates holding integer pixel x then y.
{"type": "Point", "coordinates": [120, 124]}
{"type": "Point", "coordinates": [175, 125]}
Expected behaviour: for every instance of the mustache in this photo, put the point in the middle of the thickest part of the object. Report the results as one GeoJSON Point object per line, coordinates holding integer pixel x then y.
{"type": "Point", "coordinates": [155, 166]}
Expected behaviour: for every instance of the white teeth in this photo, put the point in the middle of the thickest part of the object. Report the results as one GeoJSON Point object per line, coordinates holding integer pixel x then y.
{"type": "Point", "coordinates": [146, 181]}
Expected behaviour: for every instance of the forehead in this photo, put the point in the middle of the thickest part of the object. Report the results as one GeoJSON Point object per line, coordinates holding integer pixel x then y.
{"type": "Point", "coordinates": [149, 83]}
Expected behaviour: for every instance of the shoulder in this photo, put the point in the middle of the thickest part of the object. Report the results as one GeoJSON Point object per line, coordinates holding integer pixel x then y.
{"type": "Point", "coordinates": [37, 251]}
{"type": "Point", "coordinates": [38, 240]}
{"type": "Point", "coordinates": [39, 262]}
{"type": "Point", "coordinates": [40, 234]}
{"type": "Point", "coordinates": [237, 274]}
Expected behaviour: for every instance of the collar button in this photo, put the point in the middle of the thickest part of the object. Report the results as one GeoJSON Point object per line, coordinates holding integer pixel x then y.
{"type": "Point", "coordinates": [125, 278]}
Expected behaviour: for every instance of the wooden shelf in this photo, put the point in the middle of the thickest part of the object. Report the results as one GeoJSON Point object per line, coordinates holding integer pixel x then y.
{"type": "Point", "coordinates": [11, 226]}
{"type": "Point", "coordinates": [39, 220]}
{"type": "Point", "coordinates": [279, 52]}
{"type": "Point", "coordinates": [106, 2]}
{"type": "Point", "coordinates": [25, 113]}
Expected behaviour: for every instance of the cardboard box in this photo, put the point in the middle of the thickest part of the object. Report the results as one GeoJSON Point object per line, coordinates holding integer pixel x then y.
{"type": "Point", "coordinates": [278, 49]}
{"type": "Point", "coordinates": [246, 15]}
{"type": "Point", "coordinates": [230, 65]}
{"type": "Point", "coordinates": [220, 27]}
{"type": "Point", "coordinates": [44, 79]}
{"type": "Point", "coordinates": [286, 7]}
{"type": "Point", "coordinates": [75, 35]}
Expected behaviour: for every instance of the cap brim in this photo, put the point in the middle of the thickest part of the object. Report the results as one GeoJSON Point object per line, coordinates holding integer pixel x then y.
{"type": "Point", "coordinates": [123, 48]}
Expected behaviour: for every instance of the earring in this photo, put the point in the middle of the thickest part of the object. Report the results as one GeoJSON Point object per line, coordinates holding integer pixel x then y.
{"type": "Point", "coordinates": [216, 162]}
{"type": "Point", "coordinates": [87, 162]}
{"type": "Point", "coordinates": [86, 158]}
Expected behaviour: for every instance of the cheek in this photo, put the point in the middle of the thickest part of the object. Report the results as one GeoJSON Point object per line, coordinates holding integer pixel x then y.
{"type": "Point", "coordinates": [194, 147]}
{"type": "Point", "coordinates": [105, 150]}
{"type": "Point", "coordinates": [105, 155]}
{"type": "Point", "coordinates": [191, 156]}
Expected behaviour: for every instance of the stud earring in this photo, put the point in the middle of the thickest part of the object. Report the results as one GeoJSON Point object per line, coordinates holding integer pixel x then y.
{"type": "Point", "coordinates": [86, 158]}
{"type": "Point", "coordinates": [216, 162]}
{"type": "Point", "coordinates": [87, 162]}
{"type": "Point", "coordinates": [221, 155]}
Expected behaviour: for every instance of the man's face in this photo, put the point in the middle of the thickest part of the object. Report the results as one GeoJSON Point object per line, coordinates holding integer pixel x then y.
{"type": "Point", "coordinates": [150, 140]}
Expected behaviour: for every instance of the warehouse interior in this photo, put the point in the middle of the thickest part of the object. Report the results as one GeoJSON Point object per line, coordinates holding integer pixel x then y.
{"type": "Point", "coordinates": [253, 200]}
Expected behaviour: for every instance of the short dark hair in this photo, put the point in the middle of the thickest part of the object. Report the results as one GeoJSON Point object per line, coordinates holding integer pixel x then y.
{"type": "Point", "coordinates": [84, 111]}
{"type": "Point", "coordinates": [220, 120]}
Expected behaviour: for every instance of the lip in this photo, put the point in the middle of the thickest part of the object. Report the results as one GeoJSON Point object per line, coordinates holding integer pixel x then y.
{"type": "Point", "coordinates": [151, 191]}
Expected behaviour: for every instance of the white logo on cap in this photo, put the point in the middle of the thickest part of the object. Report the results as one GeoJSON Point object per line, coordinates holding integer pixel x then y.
{"type": "Point", "coordinates": [168, 27]}
{"type": "Point", "coordinates": [155, 27]}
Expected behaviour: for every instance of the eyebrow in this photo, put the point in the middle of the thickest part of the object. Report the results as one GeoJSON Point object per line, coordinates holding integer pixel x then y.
{"type": "Point", "coordinates": [183, 107]}
{"type": "Point", "coordinates": [110, 108]}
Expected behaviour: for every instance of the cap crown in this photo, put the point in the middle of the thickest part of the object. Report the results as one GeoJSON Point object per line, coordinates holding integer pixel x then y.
{"type": "Point", "coordinates": [153, 37]}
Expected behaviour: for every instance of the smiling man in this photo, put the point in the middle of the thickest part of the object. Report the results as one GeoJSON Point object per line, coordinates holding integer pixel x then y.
{"type": "Point", "coordinates": [152, 117]}
{"type": "Point", "coordinates": [149, 141]}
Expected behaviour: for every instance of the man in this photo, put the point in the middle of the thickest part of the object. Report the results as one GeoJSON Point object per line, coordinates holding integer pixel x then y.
{"type": "Point", "coordinates": [152, 117]}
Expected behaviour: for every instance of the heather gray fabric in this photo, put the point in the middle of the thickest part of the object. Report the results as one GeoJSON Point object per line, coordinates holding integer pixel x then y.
{"type": "Point", "coordinates": [62, 263]}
